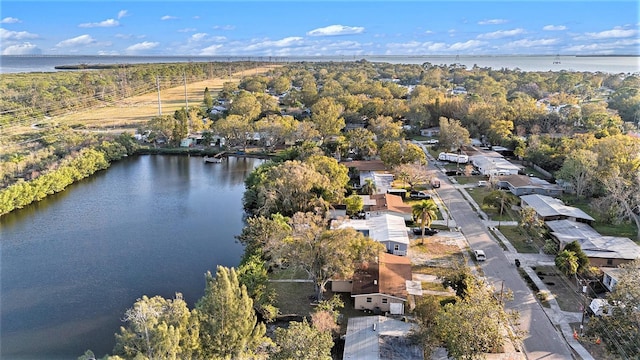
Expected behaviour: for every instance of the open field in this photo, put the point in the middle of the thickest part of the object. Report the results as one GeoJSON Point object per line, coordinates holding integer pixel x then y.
{"type": "Point", "coordinates": [134, 111]}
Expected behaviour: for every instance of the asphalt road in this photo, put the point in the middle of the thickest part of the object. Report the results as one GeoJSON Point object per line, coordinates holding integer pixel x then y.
{"type": "Point", "coordinates": [542, 340]}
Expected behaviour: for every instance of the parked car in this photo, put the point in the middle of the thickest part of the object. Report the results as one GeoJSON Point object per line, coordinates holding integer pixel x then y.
{"type": "Point", "coordinates": [479, 254]}
{"type": "Point", "coordinates": [427, 231]}
{"type": "Point", "coordinates": [419, 195]}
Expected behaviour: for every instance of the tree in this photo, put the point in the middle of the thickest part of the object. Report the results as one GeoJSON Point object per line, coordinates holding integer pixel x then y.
{"type": "Point", "coordinates": [426, 211]}
{"type": "Point", "coordinates": [252, 273]}
{"type": "Point", "coordinates": [620, 331]}
{"type": "Point", "coordinates": [530, 221]}
{"type": "Point", "coordinates": [476, 324]}
{"type": "Point", "coordinates": [229, 328]}
{"type": "Point", "coordinates": [452, 135]}
{"type": "Point", "coordinates": [326, 115]}
{"type": "Point", "coordinates": [567, 262]}
{"type": "Point", "coordinates": [293, 186]}
{"type": "Point", "coordinates": [354, 204]}
{"type": "Point", "coordinates": [208, 100]}
{"type": "Point", "coordinates": [323, 254]}
{"type": "Point", "coordinates": [369, 187]}
{"type": "Point", "coordinates": [337, 174]}
{"type": "Point", "coordinates": [158, 328]}
{"type": "Point", "coordinates": [235, 129]}
{"type": "Point", "coordinates": [582, 258]}
{"type": "Point", "coordinates": [412, 174]}
{"type": "Point", "coordinates": [362, 143]}
{"type": "Point", "coordinates": [301, 340]}
{"type": "Point", "coordinates": [385, 129]}
{"type": "Point", "coordinates": [500, 131]}
{"type": "Point", "coordinates": [394, 153]}
{"type": "Point", "coordinates": [246, 105]}
{"type": "Point", "coordinates": [579, 170]}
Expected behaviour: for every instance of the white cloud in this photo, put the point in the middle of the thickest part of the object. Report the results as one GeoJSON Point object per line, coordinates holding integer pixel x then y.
{"type": "Point", "coordinates": [198, 36]}
{"type": "Point", "coordinates": [525, 43]}
{"type": "Point", "coordinates": [428, 32]}
{"type": "Point", "coordinates": [9, 35]}
{"type": "Point", "coordinates": [466, 45]}
{"type": "Point", "coordinates": [22, 49]}
{"type": "Point", "coordinates": [187, 30]}
{"type": "Point", "coordinates": [145, 45]}
{"type": "Point", "coordinates": [334, 30]}
{"type": "Point", "coordinates": [554, 27]}
{"type": "Point", "coordinates": [289, 41]}
{"type": "Point", "coordinates": [501, 34]}
{"type": "Point", "coordinates": [613, 34]}
{"type": "Point", "coordinates": [211, 50]}
{"type": "Point", "coordinates": [10, 20]}
{"type": "Point", "coordinates": [108, 53]}
{"type": "Point", "coordinates": [105, 23]}
{"type": "Point", "coordinates": [168, 17]}
{"type": "Point", "coordinates": [224, 27]}
{"type": "Point", "coordinates": [122, 13]}
{"type": "Point", "coordinates": [492, 22]}
{"type": "Point", "coordinates": [618, 46]}
{"type": "Point", "coordinates": [415, 47]}
{"type": "Point", "coordinates": [81, 40]}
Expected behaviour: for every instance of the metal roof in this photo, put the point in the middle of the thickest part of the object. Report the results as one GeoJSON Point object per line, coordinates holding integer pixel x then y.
{"type": "Point", "coordinates": [362, 340]}
{"type": "Point", "coordinates": [592, 243]}
{"type": "Point", "coordinates": [546, 206]}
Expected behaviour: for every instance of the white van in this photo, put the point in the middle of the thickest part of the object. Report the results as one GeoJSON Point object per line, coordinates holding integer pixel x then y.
{"type": "Point", "coordinates": [479, 254]}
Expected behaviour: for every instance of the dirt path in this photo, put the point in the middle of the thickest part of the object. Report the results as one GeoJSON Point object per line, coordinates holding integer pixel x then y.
{"type": "Point", "coordinates": [134, 111]}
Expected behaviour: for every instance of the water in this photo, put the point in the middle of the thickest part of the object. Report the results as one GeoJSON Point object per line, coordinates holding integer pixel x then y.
{"type": "Point", "coordinates": [149, 225]}
{"type": "Point", "coordinates": [607, 64]}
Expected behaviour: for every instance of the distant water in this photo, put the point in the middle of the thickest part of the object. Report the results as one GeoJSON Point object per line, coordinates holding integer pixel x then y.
{"type": "Point", "coordinates": [606, 64]}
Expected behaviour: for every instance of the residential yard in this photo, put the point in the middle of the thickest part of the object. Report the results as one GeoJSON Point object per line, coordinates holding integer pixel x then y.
{"type": "Point", "coordinates": [561, 288]}
{"type": "Point", "coordinates": [519, 239]}
{"type": "Point", "coordinates": [606, 228]}
{"type": "Point", "coordinates": [293, 298]}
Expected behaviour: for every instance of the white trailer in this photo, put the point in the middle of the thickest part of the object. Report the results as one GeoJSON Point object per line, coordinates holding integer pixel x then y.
{"type": "Point", "coordinates": [451, 157]}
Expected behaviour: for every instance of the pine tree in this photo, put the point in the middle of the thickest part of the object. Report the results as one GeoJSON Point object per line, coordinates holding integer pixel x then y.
{"type": "Point", "coordinates": [228, 324]}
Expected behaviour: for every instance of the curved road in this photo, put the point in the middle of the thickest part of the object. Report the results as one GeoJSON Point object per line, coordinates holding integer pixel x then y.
{"type": "Point", "coordinates": [542, 340]}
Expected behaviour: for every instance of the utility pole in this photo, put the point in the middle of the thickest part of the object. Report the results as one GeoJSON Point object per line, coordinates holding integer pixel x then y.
{"type": "Point", "coordinates": [159, 102]}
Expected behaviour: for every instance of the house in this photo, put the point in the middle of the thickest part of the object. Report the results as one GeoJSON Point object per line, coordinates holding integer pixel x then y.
{"type": "Point", "coordinates": [430, 132]}
{"type": "Point", "coordinates": [371, 169]}
{"type": "Point", "coordinates": [390, 230]}
{"type": "Point", "coordinates": [525, 185]}
{"type": "Point", "coordinates": [380, 204]}
{"type": "Point", "coordinates": [549, 209]}
{"type": "Point", "coordinates": [382, 286]}
{"type": "Point", "coordinates": [492, 166]}
{"type": "Point", "coordinates": [379, 337]}
{"type": "Point", "coordinates": [609, 251]}
{"type": "Point", "coordinates": [610, 277]}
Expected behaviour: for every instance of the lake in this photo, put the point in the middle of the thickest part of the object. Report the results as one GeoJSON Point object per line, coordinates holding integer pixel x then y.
{"type": "Point", "coordinates": [74, 262]}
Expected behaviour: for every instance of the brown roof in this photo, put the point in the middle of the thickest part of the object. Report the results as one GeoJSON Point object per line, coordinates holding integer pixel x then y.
{"type": "Point", "coordinates": [387, 276]}
{"type": "Point", "coordinates": [516, 180]}
{"type": "Point", "coordinates": [371, 165]}
{"type": "Point", "coordinates": [390, 202]}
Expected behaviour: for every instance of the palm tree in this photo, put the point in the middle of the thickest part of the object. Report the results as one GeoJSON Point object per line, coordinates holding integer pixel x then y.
{"type": "Point", "coordinates": [369, 187]}
{"type": "Point", "coordinates": [426, 211]}
{"type": "Point", "coordinates": [567, 262]}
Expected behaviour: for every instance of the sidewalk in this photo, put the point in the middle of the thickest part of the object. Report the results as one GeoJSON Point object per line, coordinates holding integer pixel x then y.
{"type": "Point", "coordinates": [559, 318]}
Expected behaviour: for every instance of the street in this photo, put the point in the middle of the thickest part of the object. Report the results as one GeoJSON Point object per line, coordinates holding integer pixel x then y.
{"type": "Point", "coordinates": [542, 340]}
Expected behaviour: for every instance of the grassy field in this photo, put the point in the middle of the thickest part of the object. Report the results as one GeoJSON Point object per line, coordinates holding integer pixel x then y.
{"type": "Point", "coordinates": [132, 112]}
{"type": "Point", "coordinates": [519, 239]}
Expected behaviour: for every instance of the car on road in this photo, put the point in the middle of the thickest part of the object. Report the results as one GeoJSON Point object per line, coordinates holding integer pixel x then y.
{"type": "Point", "coordinates": [427, 231]}
{"type": "Point", "coordinates": [479, 254]}
{"type": "Point", "coordinates": [419, 195]}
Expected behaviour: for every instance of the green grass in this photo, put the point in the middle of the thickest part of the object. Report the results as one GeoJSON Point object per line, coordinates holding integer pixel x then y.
{"type": "Point", "coordinates": [287, 274]}
{"type": "Point", "coordinates": [519, 239]}
{"type": "Point", "coordinates": [462, 180]}
{"type": "Point", "coordinates": [433, 286]}
{"type": "Point", "coordinates": [293, 298]}
{"type": "Point", "coordinates": [626, 229]}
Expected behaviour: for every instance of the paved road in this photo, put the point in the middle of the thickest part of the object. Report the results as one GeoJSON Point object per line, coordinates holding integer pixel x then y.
{"type": "Point", "coordinates": [542, 340]}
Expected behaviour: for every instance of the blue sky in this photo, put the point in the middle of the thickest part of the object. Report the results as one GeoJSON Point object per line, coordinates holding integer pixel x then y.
{"type": "Point", "coordinates": [319, 28]}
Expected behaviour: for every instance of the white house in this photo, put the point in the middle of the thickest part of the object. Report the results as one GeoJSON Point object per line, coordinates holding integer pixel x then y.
{"type": "Point", "coordinates": [390, 230]}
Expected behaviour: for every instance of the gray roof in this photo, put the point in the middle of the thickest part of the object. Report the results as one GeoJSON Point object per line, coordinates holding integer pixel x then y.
{"type": "Point", "coordinates": [547, 206]}
{"type": "Point", "coordinates": [381, 228]}
{"type": "Point", "coordinates": [592, 243]}
{"type": "Point", "coordinates": [362, 341]}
